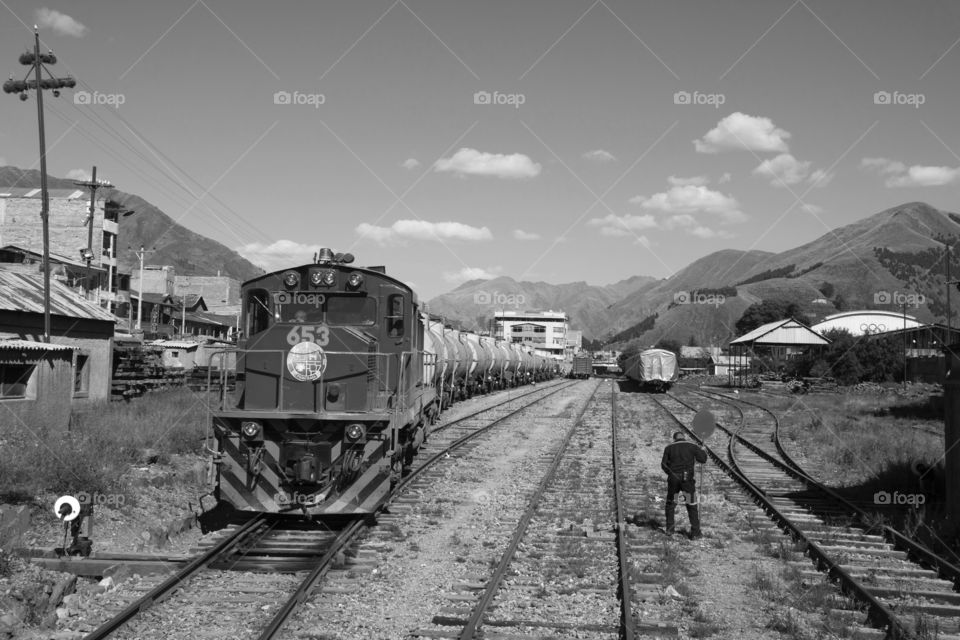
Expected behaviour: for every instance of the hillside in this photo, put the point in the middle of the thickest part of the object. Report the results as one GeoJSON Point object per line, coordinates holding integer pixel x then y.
{"type": "Point", "coordinates": [473, 303]}
{"type": "Point", "coordinates": [173, 244]}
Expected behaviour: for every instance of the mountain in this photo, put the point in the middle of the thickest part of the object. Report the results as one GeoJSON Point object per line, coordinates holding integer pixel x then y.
{"type": "Point", "coordinates": [473, 303]}
{"type": "Point", "coordinates": [168, 243]}
{"type": "Point", "coordinates": [879, 262]}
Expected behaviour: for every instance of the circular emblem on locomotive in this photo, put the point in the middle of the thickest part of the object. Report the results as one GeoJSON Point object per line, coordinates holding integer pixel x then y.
{"type": "Point", "coordinates": [306, 361]}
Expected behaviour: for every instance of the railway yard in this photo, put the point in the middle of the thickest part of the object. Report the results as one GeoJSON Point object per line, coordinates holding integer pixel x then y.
{"type": "Point", "coordinates": [537, 512]}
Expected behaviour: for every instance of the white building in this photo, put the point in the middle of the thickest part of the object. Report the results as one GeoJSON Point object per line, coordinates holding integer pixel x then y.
{"type": "Point", "coordinates": [544, 330]}
{"type": "Point", "coordinates": [871, 321]}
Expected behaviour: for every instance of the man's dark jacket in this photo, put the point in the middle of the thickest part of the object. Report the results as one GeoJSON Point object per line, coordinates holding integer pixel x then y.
{"type": "Point", "coordinates": [679, 458]}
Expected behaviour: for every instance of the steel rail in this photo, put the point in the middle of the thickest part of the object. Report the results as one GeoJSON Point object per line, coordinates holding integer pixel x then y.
{"type": "Point", "coordinates": [350, 533]}
{"type": "Point", "coordinates": [493, 585]}
{"type": "Point", "coordinates": [158, 593]}
{"type": "Point", "coordinates": [918, 552]}
{"type": "Point", "coordinates": [626, 615]}
{"type": "Point", "coordinates": [877, 613]}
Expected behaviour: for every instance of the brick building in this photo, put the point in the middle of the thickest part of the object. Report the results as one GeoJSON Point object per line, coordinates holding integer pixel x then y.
{"type": "Point", "coordinates": [220, 293]}
{"type": "Point", "coordinates": [21, 226]}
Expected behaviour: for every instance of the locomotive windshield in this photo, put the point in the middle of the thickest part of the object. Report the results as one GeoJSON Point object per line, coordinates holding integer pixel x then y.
{"type": "Point", "coordinates": [327, 309]}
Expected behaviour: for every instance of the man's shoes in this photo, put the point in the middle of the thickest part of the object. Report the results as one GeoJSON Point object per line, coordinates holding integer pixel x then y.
{"type": "Point", "coordinates": [695, 535]}
{"type": "Point", "coordinates": [669, 531]}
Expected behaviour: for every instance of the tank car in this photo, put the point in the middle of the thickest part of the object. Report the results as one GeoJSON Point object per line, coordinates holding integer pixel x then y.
{"type": "Point", "coordinates": [653, 369]}
{"type": "Point", "coordinates": [331, 401]}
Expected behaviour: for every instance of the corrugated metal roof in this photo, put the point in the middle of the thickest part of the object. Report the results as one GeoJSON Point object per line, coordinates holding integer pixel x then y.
{"type": "Point", "coordinates": [173, 344]}
{"type": "Point", "coordinates": [34, 192]}
{"type": "Point", "coordinates": [782, 332]}
{"type": "Point", "coordinates": [54, 257]}
{"type": "Point", "coordinates": [30, 345]}
{"type": "Point", "coordinates": [24, 292]}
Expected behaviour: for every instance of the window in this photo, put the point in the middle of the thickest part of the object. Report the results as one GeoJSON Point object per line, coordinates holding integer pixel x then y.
{"type": "Point", "coordinates": [81, 374]}
{"type": "Point", "coordinates": [14, 379]}
{"type": "Point", "coordinates": [258, 311]}
{"type": "Point", "coordinates": [539, 329]}
{"type": "Point", "coordinates": [395, 315]}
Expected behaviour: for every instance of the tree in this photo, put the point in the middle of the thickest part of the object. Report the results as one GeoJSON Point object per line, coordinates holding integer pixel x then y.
{"type": "Point", "coordinates": [692, 342]}
{"type": "Point", "coordinates": [669, 344]}
{"type": "Point", "coordinates": [840, 302]}
{"type": "Point", "coordinates": [765, 311]}
{"type": "Point", "coordinates": [827, 289]}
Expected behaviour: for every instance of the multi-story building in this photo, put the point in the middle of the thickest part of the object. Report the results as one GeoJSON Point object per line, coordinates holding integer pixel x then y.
{"type": "Point", "coordinates": [21, 226]}
{"type": "Point", "coordinates": [544, 330]}
{"type": "Point", "coordinates": [158, 279]}
{"type": "Point", "coordinates": [220, 293]}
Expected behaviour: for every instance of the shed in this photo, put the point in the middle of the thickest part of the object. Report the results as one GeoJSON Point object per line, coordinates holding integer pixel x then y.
{"type": "Point", "coordinates": [178, 355]}
{"type": "Point", "coordinates": [779, 340]}
{"type": "Point", "coordinates": [36, 384]}
{"type": "Point", "coordinates": [83, 326]}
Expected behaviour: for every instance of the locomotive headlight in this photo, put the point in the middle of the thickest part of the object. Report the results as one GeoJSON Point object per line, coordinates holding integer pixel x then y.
{"type": "Point", "coordinates": [355, 432]}
{"type": "Point", "coordinates": [354, 280]}
{"type": "Point", "coordinates": [250, 429]}
{"type": "Point", "coordinates": [291, 279]}
{"type": "Point", "coordinates": [329, 278]}
{"type": "Point", "coordinates": [316, 278]}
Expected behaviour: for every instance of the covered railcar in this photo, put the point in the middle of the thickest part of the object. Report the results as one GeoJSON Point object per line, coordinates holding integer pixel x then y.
{"type": "Point", "coordinates": [653, 369]}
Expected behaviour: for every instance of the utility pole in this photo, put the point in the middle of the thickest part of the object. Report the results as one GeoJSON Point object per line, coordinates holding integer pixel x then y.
{"type": "Point", "coordinates": [35, 61]}
{"type": "Point", "coordinates": [93, 184]}
{"type": "Point", "coordinates": [140, 254]}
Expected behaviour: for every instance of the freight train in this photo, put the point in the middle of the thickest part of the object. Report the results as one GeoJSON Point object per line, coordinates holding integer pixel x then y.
{"type": "Point", "coordinates": [340, 374]}
{"type": "Point", "coordinates": [582, 367]}
{"type": "Point", "coordinates": [653, 369]}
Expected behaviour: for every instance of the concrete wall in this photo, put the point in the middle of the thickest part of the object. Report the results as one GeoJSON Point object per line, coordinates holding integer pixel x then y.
{"type": "Point", "coordinates": [155, 280]}
{"type": "Point", "coordinates": [20, 224]}
{"type": "Point", "coordinates": [93, 337]}
{"type": "Point", "coordinates": [217, 291]}
{"type": "Point", "coordinates": [49, 391]}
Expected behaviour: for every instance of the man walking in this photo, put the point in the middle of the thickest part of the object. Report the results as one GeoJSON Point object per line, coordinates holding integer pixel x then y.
{"type": "Point", "coordinates": [679, 460]}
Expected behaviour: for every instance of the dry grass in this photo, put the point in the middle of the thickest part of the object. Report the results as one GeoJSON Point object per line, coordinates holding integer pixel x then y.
{"type": "Point", "coordinates": [103, 440]}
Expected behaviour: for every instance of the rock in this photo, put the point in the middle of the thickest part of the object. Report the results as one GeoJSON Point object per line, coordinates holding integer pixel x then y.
{"type": "Point", "coordinates": [62, 588]}
{"type": "Point", "coordinates": [670, 592]}
{"type": "Point", "coordinates": [118, 572]}
{"type": "Point", "coordinates": [106, 583]}
{"type": "Point", "coordinates": [8, 622]}
{"type": "Point", "coordinates": [72, 601]}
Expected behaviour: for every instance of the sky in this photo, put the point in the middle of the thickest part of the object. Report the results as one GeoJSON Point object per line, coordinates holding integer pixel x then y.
{"type": "Point", "coordinates": [558, 141]}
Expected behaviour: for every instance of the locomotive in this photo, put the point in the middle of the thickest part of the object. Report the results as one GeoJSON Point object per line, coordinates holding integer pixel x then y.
{"type": "Point", "coordinates": [653, 369]}
{"type": "Point", "coordinates": [340, 374]}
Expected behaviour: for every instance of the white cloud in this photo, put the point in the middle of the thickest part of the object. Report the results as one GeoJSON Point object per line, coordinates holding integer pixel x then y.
{"type": "Point", "coordinates": [599, 155]}
{"type": "Point", "coordinates": [472, 162]}
{"type": "Point", "coordinates": [520, 234]}
{"type": "Point", "coordinates": [695, 180]}
{"type": "Point", "coordinates": [471, 273]}
{"type": "Point", "coordinates": [78, 174]}
{"type": "Point", "coordinates": [277, 255]}
{"type": "Point", "coordinates": [61, 23]}
{"type": "Point", "coordinates": [691, 199]}
{"type": "Point", "coordinates": [820, 178]}
{"type": "Point", "coordinates": [422, 230]}
{"type": "Point", "coordinates": [410, 163]}
{"type": "Point", "coordinates": [738, 131]}
{"type": "Point", "coordinates": [725, 178]}
{"type": "Point", "coordinates": [628, 225]}
{"type": "Point", "coordinates": [900, 175]}
{"type": "Point", "coordinates": [783, 170]}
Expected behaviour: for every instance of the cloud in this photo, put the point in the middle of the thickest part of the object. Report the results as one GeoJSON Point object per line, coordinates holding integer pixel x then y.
{"type": "Point", "coordinates": [900, 175]}
{"type": "Point", "coordinates": [78, 174]}
{"type": "Point", "coordinates": [692, 199]}
{"type": "Point", "coordinates": [410, 163]}
{"type": "Point", "coordinates": [783, 170]}
{"type": "Point", "coordinates": [738, 131]}
{"type": "Point", "coordinates": [520, 234]}
{"type": "Point", "coordinates": [61, 23]}
{"type": "Point", "coordinates": [820, 178]}
{"type": "Point", "coordinates": [471, 273]}
{"type": "Point", "coordinates": [422, 230]}
{"type": "Point", "coordinates": [695, 180]}
{"type": "Point", "coordinates": [277, 255]}
{"type": "Point", "coordinates": [472, 162]}
{"type": "Point", "coordinates": [618, 226]}
{"type": "Point", "coordinates": [725, 178]}
{"type": "Point", "coordinates": [599, 155]}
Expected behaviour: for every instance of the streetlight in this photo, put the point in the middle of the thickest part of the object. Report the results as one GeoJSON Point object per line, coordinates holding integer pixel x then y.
{"type": "Point", "coordinates": [35, 61]}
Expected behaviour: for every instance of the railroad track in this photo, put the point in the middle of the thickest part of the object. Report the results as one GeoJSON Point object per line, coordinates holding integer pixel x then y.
{"type": "Point", "coordinates": [904, 589]}
{"type": "Point", "coordinates": [253, 577]}
{"type": "Point", "coordinates": [567, 566]}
